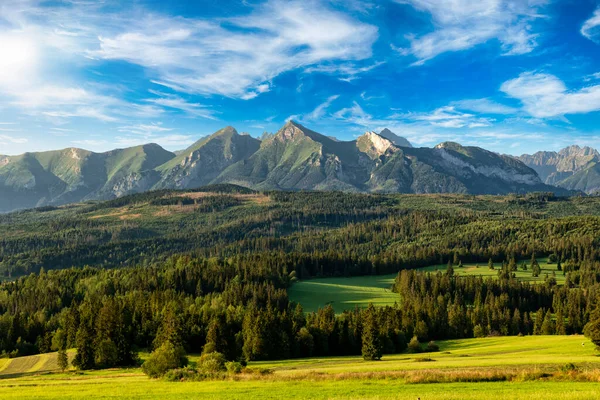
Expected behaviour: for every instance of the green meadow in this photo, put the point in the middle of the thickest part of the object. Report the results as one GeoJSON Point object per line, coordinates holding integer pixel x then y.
{"type": "Point", "coordinates": [482, 269]}
{"type": "Point", "coordinates": [530, 367]}
{"type": "Point", "coordinates": [348, 293]}
{"type": "Point", "coordinates": [344, 293]}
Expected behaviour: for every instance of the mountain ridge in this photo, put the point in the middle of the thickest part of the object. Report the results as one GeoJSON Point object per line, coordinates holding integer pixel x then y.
{"type": "Point", "coordinates": [572, 168]}
{"type": "Point", "coordinates": [293, 158]}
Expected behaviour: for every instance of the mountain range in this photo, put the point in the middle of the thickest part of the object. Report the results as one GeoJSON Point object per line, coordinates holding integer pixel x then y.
{"type": "Point", "coordinates": [294, 158]}
{"type": "Point", "coordinates": [572, 168]}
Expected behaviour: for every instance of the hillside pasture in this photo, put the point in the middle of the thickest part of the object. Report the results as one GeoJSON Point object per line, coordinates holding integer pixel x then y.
{"type": "Point", "coordinates": [530, 367]}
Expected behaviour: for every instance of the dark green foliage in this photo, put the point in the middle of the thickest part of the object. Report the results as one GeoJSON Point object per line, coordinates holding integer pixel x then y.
{"type": "Point", "coordinates": [432, 347]}
{"type": "Point", "coordinates": [414, 346]}
{"type": "Point", "coordinates": [166, 357]}
{"type": "Point", "coordinates": [217, 280]}
{"type": "Point", "coordinates": [84, 359]}
{"type": "Point", "coordinates": [372, 348]}
{"type": "Point", "coordinates": [63, 360]}
{"type": "Point", "coordinates": [212, 362]}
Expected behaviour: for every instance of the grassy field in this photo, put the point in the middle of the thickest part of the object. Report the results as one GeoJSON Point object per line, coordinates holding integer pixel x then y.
{"type": "Point", "coordinates": [348, 293]}
{"type": "Point", "coordinates": [482, 269]}
{"type": "Point", "coordinates": [403, 376]}
{"type": "Point", "coordinates": [344, 293]}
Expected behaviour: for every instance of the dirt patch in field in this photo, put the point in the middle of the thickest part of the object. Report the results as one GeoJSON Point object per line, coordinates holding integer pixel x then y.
{"type": "Point", "coordinates": [254, 197]}
{"type": "Point", "coordinates": [127, 217]}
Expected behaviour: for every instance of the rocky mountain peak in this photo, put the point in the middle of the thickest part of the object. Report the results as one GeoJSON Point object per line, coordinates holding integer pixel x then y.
{"type": "Point", "coordinates": [577, 151]}
{"type": "Point", "coordinates": [374, 144]}
{"type": "Point", "coordinates": [397, 140]}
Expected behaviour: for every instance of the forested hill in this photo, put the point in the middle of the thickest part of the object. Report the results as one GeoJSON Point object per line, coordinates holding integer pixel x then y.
{"type": "Point", "coordinates": [208, 270]}
{"type": "Point", "coordinates": [312, 233]}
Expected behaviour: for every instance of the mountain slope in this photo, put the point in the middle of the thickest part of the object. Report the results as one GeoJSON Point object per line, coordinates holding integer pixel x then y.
{"type": "Point", "coordinates": [295, 158]}
{"type": "Point", "coordinates": [71, 175]}
{"type": "Point", "coordinates": [392, 137]}
{"type": "Point", "coordinates": [202, 162]}
{"type": "Point", "coordinates": [298, 158]}
{"type": "Point", "coordinates": [571, 168]}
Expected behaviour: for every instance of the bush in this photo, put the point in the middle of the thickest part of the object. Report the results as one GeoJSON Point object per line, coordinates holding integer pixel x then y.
{"type": "Point", "coordinates": [414, 346]}
{"type": "Point", "coordinates": [569, 367]}
{"type": "Point", "coordinates": [165, 358]}
{"type": "Point", "coordinates": [181, 374]}
{"type": "Point", "coordinates": [432, 347]}
{"type": "Point", "coordinates": [234, 367]}
{"type": "Point", "coordinates": [212, 363]}
{"type": "Point", "coordinates": [107, 354]}
{"type": "Point", "coordinates": [478, 331]}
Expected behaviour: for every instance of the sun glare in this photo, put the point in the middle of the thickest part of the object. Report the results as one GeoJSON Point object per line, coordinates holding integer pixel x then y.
{"type": "Point", "coordinates": [18, 58]}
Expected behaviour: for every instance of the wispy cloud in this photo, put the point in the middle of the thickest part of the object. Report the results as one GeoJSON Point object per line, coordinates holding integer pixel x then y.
{"type": "Point", "coordinates": [12, 139]}
{"type": "Point", "coordinates": [546, 96]}
{"type": "Point", "coordinates": [139, 134]}
{"type": "Point", "coordinates": [318, 112]}
{"type": "Point", "coordinates": [449, 117]}
{"type": "Point", "coordinates": [591, 28]}
{"type": "Point", "coordinates": [463, 24]}
{"type": "Point", "coordinates": [238, 57]}
{"type": "Point", "coordinates": [171, 101]}
{"type": "Point", "coordinates": [344, 72]}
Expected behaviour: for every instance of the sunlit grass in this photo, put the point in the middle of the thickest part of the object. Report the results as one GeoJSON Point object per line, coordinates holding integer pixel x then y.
{"type": "Point", "coordinates": [395, 377]}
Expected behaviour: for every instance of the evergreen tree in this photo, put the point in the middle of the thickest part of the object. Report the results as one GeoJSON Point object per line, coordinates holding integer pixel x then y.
{"type": "Point", "coordinates": [84, 359]}
{"type": "Point", "coordinates": [539, 318]}
{"type": "Point", "coordinates": [63, 360]}
{"type": "Point", "coordinates": [372, 348]}
{"type": "Point", "coordinates": [548, 327]}
{"type": "Point", "coordinates": [560, 322]}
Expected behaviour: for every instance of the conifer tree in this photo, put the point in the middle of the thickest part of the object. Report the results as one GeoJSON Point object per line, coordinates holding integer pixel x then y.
{"type": "Point", "coordinates": [372, 347]}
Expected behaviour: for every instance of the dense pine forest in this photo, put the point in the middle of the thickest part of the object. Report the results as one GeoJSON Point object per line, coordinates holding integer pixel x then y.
{"type": "Point", "coordinates": [207, 271]}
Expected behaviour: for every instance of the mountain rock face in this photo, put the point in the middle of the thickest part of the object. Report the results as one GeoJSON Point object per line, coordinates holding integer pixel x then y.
{"type": "Point", "coordinates": [573, 168]}
{"type": "Point", "coordinates": [202, 162]}
{"type": "Point", "coordinates": [392, 137]}
{"type": "Point", "coordinates": [294, 158]}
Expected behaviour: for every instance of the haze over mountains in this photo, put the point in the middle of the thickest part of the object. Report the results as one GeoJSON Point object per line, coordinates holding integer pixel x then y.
{"type": "Point", "coordinates": [295, 158]}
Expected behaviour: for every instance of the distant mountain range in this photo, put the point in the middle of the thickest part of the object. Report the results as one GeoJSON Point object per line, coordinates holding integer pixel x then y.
{"type": "Point", "coordinates": [573, 168]}
{"type": "Point", "coordinates": [294, 158]}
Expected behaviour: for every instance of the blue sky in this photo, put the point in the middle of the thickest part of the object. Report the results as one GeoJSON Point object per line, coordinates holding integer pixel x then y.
{"type": "Point", "coordinates": [511, 76]}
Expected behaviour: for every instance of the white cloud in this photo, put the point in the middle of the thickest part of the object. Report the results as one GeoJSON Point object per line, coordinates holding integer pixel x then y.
{"type": "Point", "coordinates": [355, 114]}
{"type": "Point", "coordinates": [145, 129]}
{"type": "Point", "coordinates": [11, 139]}
{"type": "Point", "coordinates": [238, 57]}
{"type": "Point", "coordinates": [139, 134]}
{"type": "Point", "coordinates": [176, 102]}
{"type": "Point", "coordinates": [591, 27]}
{"type": "Point", "coordinates": [345, 72]}
{"type": "Point", "coordinates": [449, 117]}
{"type": "Point", "coordinates": [320, 110]}
{"type": "Point", "coordinates": [463, 24]}
{"type": "Point", "coordinates": [545, 96]}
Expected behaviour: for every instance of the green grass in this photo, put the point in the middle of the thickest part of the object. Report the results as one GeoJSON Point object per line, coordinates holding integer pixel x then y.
{"type": "Point", "coordinates": [348, 293]}
{"type": "Point", "coordinates": [344, 293]}
{"type": "Point", "coordinates": [483, 270]}
{"type": "Point", "coordinates": [350, 377]}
